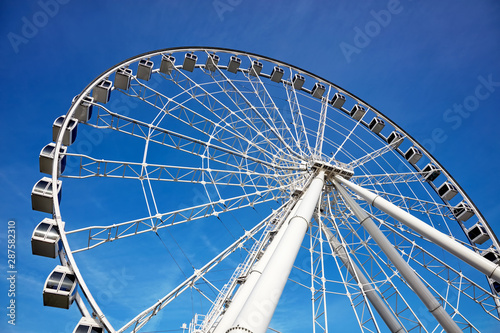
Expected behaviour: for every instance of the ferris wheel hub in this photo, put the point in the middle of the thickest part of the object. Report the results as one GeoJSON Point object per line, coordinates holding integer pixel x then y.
{"type": "Point", "coordinates": [332, 170]}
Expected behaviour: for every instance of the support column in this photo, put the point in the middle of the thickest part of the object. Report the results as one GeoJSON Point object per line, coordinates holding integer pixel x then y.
{"type": "Point", "coordinates": [472, 258]}
{"type": "Point", "coordinates": [253, 276]}
{"type": "Point", "coordinates": [401, 265]}
{"type": "Point", "coordinates": [258, 310]}
{"type": "Point", "coordinates": [367, 287]}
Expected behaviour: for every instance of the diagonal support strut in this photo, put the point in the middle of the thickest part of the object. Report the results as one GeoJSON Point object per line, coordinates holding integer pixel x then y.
{"type": "Point", "coordinates": [472, 258]}
{"type": "Point", "coordinates": [258, 309]}
{"type": "Point", "coordinates": [401, 265]}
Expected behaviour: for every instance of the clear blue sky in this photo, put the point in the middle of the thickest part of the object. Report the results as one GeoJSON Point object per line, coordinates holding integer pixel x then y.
{"type": "Point", "coordinates": [415, 65]}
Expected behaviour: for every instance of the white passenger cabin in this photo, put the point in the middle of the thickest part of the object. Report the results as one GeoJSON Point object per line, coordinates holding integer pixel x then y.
{"type": "Point", "coordinates": [430, 172]}
{"type": "Point", "coordinates": [83, 111]}
{"type": "Point", "coordinates": [477, 233]}
{"type": "Point", "coordinates": [413, 155]}
{"type": "Point", "coordinates": [492, 255]}
{"type": "Point", "coordinates": [167, 64]}
{"type": "Point", "coordinates": [123, 77]}
{"type": "Point", "coordinates": [46, 158]}
{"type": "Point", "coordinates": [102, 92]}
{"type": "Point", "coordinates": [43, 194]}
{"type": "Point", "coordinates": [357, 112]}
{"type": "Point", "coordinates": [189, 62]}
{"type": "Point", "coordinates": [395, 139]}
{"type": "Point", "coordinates": [318, 90]}
{"type": "Point", "coordinates": [69, 134]}
{"type": "Point", "coordinates": [256, 68]}
{"type": "Point", "coordinates": [376, 125]}
{"type": "Point", "coordinates": [88, 325]}
{"type": "Point", "coordinates": [447, 191]}
{"type": "Point", "coordinates": [337, 100]}
{"type": "Point", "coordinates": [212, 62]}
{"type": "Point", "coordinates": [144, 69]}
{"type": "Point", "coordinates": [277, 74]}
{"type": "Point", "coordinates": [462, 211]}
{"type": "Point", "coordinates": [60, 288]}
{"type": "Point", "coordinates": [234, 64]}
{"type": "Point", "coordinates": [45, 240]}
{"type": "Point", "coordinates": [298, 81]}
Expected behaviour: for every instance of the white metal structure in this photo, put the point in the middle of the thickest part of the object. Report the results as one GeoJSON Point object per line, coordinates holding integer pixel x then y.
{"type": "Point", "coordinates": [231, 181]}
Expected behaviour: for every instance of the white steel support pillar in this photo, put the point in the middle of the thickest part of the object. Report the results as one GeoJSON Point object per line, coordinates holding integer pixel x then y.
{"type": "Point", "coordinates": [252, 277]}
{"type": "Point", "coordinates": [367, 287]}
{"type": "Point", "coordinates": [472, 258]}
{"type": "Point", "coordinates": [401, 265]}
{"type": "Point", "coordinates": [258, 310]}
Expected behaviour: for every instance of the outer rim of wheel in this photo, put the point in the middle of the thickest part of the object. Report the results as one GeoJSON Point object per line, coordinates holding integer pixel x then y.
{"type": "Point", "coordinates": [111, 70]}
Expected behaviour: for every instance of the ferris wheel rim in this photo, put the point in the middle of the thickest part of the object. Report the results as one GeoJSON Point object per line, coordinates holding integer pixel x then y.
{"type": "Point", "coordinates": [105, 74]}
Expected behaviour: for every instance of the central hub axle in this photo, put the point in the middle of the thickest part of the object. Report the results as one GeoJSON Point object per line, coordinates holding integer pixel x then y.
{"type": "Point", "coordinates": [333, 169]}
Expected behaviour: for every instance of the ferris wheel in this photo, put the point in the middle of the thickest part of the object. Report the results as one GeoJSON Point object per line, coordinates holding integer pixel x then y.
{"type": "Point", "coordinates": [219, 183]}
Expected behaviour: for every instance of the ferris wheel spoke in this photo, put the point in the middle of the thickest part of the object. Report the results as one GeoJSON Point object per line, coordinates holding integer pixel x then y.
{"type": "Point", "coordinates": [373, 155]}
{"type": "Point", "coordinates": [141, 319]}
{"type": "Point", "coordinates": [321, 139]}
{"type": "Point", "coordinates": [257, 116]}
{"type": "Point", "coordinates": [210, 101]}
{"type": "Point", "coordinates": [98, 235]}
{"type": "Point", "coordinates": [320, 134]}
{"type": "Point", "coordinates": [175, 140]}
{"type": "Point", "coordinates": [318, 277]}
{"type": "Point", "coordinates": [241, 122]}
{"type": "Point", "coordinates": [331, 144]}
{"type": "Point", "coordinates": [347, 138]}
{"type": "Point", "coordinates": [92, 167]}
{"type": "Point", "coordinates": [272, 112]}
{"type": "Point", "coordinates": [451, 308]}
{"type": "Point", "coordinates": [359, 302]}
{"type": "Point", "coordinates": [366, 254]}
{"type": "Point", "coordinates": [297, 119]}
{"type": "Point", "coordinates": [226, 135]}
{"type": "Point", "coordinates": [388, 179]}
{"type": "Point", "coordinates": [367, 292]}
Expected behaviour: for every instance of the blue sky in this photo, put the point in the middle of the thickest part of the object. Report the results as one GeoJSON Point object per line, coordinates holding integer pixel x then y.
{"type": "Point", "coordinates": [417, 66]}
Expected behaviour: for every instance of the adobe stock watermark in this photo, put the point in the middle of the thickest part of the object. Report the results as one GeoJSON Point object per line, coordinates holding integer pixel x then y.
{"type": "Point", "coordinates": [223, 6]}
{"type": "Point", "coordinates": [456, 115]}
{"type": "Point", "coordinates": [11, 272]}
{"type": "Point", "coordinates": [116, 283]}
{"type": "Point", "coordinates": [32, 25]}
{"type": "Point", "coordinates": [364, 36]}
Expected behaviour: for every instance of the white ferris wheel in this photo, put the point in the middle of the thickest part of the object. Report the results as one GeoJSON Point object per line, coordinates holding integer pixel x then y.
{"type": "Point", "coordinates": [225, 181]}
